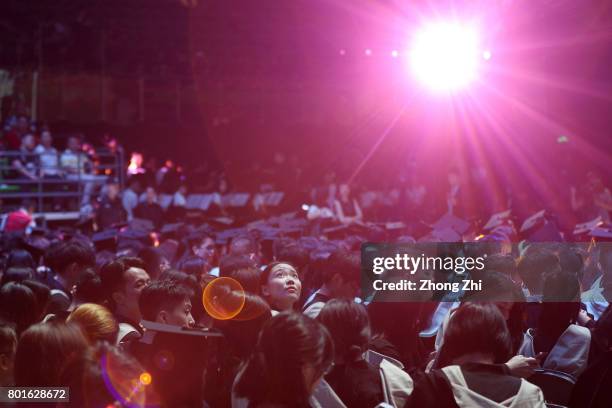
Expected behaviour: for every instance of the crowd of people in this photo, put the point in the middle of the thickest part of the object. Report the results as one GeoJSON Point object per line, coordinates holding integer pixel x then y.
{"type": "Point", "coordinates": [76, 311]}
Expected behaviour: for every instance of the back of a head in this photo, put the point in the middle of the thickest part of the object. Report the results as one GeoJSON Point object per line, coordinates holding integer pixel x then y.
{"type": "Point", "coordinates": [349, 326]}
{"type": "Point", "coordinates": [249, 278]}
{"type": "Point", "coordinates": [344, 263]}
{"type": "Point", "coordinates": [287, 344]}
{"type": "Point", "coordinates": [16, 274]}
{"type": "Point", "coordinates": [43, 350]}
{"type": "Point", "coordinates": [534, 266]}
{"type": "Point", "coordinates": [42, 293]}
{"type": "Point", "coordinates": [476, 328]}
{"type": "Point", "coordinates": [89, 288]}
{"type": "Point", "coordinates": [294, 254]}
{"type": "Point", "coordinates": [162, 295]}
{"type": "Point", "coordinates": [62, 254]}
{"type": "Point", "coordinates": [91, 372]}
{"type": "Point", "coordinates": [96, 321]}
{"type": "Point", "coordinates": [18, 304]}
{"type": "Point", "coordinates": [8, 339]}
{"type": "Point", "coordinates": [242, 330]}
{"type": "Point", "coordinates": [231, 263]}
{"type": "Point", "coordinates": [500, 263]}
{"type": "Point", "coordinates": [194, 266]}
{"type": "Point", "coordinates": [561, 302]}
{"type": "Point", "coordinates": [152, 260]}
{"type": "Point", "coordinates": [20, 258]}
{"type": "Point", "coordinates": [571, 261]}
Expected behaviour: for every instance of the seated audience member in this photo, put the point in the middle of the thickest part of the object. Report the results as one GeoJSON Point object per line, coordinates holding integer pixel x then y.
{"type": "Point", "coordinates": [341, 278]}
{"type": "Point", "coordinates": [18, 305]}
{"type": "Point", "coordinates": [202, 246]}
{"type": "Point", "coordinates": [499, 263]}
{"type": "Point", "coordinates": [43, 297]}
{"type": "Point", "coordinates": [149, 209]}
{"type": "Point", "coordinates": [230, 263]}
{"type": "Point", "coordinates": [16, 274]}
{"type": "Point", "coordinates": [197, 308]}
{"type": "Point", "coordinates": [26, 164]}
{"type": "Point", "coordinates": [91, 386]}
{"type": "Point", "coordinates": [533, 268]}
{"type": "Point", "coordinates": [8, 347]}
{"type": "Point", "coordinates": [110, 210]}
{"type": "Point", "coordinates": [155, 262]}
{"type": "Point", "coordinates": [249, 278]}
{"type": "Point", "coordinates": [240, 337]}
{"type": "Point", "coordinates": [470, 372]}
{"type": "Point", "coordinates": [88, 288]}
{"type": "Point", "coordinates": [122, 282]}
{"type": "Point", "coordinates": [398, 341]}
{"type": "Point", "coordinates": [292, 355]}
{"type": "Point", "coordinates": [346, 207]}
{"type": "Point", "coordinates": [280, 286]}
{"type": "Point", "coordinates": [357, 382]}
{"type": "Point", "coordinates": [194, 266]}
{"type": "Point", "coordinates": [167, 302]}
{"type": "Point", "coordinates": [67, 260]}
{"type": "Point", "coordinates": [246, 246]}
{"type": "Point", "coordinates": [20, 258]}
{"type": "Point", "coordinates": [78, 167]}
{"type": "Point", "coordinates": [22, 219]}
{"type": "Point", "coordinates": [129, 198]}
{"type": "Point", "coordinates": [565, 344]}
{"type": "Point", "coordinates": [96, 322]}
{"type": "Point", "coordinates": [43, 350]}
{"type": "Point", "coordinates": [48, 156]}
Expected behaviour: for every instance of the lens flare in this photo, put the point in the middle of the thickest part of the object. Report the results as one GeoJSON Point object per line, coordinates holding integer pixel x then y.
{"type": "Point", "coordinates": [145, 378]}
{"type": "Point", "coordinates": [223, 298]}
{"type": "Point", "coordinates": [445, 56]}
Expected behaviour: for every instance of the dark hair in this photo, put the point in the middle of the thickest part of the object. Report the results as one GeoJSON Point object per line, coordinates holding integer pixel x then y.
{"type": "Point", "coordinates": [16, 274]}
{"type": "Point", "coordinates": [499, 263]}
{"type": "Point", "coordinates": [476, 328]}
{"type": "Point", "coordinates": [43, 350]}
{"type": "Point", "coordinates": [265, 274]}
{"type": "Point", "coordinates": [42, 295]}
{"type": "Point", "coordinates": [295, 255]}
{"type": "Point", "coordinates": [162, 295]}
{"type": "Point", "coordinates": [190, 281]}
{"type": "Point", "coordinates": [194, 265]}
{"type": "Point", "coordinates": [112, 275]}
{"type": "Point", "coordinates": [344, 263]}
{"type": "Point", "coordinates": [18, 305]}
{"type": "Point", "coordinates": [231, 263]}
{"type": "Point", "coordinates": [62, 254]}
{"type": "Point", "coordinates": [534, 266]}
{"type": "Point", "coordinates": [559, 309]}
{"type": "Point", "coordinates": [86, 371]}
{"type": "Point", "coordinates": [89, 288]}
{"type": "Point", "coordinates": [274, 372]}
{"type": "Point", "coordinates": [249, 279]}
{"type": "Point", "coordinates": [20, 258]}
{"type": "Point", "coordinates": [8, 338]}
{"type": "Point", "coordinates": [349, 326]}
{"type": "Point", "coordinates": [571, 261]}
{"type": "Point", "coordinates": [151, 258]}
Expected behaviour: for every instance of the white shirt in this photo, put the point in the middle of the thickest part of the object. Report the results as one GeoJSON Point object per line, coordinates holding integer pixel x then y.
{"type": "Point", "coordinates": [49, 159]}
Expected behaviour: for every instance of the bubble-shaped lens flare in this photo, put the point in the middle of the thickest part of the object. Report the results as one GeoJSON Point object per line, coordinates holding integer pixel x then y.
{"type": "Point", "coordinates": [129, 390]}
{"type": "Point", "coordinates": [223, 298]}
{"type": "Point", "coordinates": [445, 56]}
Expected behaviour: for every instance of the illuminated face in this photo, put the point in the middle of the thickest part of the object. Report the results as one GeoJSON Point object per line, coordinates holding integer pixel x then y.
{"type": "Point", "coordinates": [135, 281]}
{"type": "Point", "coordinates": [283, 287]}
{"type": "Point", "coordinates": [180, 315]}
{"type": "Point", "coordinates": [206, 250]}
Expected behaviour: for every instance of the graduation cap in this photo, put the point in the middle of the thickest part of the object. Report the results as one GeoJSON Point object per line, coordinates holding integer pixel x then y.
{"type": "Point", "coordinates": [224, 236]}
{"type": "Point", "coordinates": [446, 234]}
{"type": "Point", "coordinates": [587, 227]}
{"type": "Point", "coordinates": [174, 230]}
{"type": "Point", "coordinates": [533, 220]}
{"type": "Point", "coordinates": [539, 228]}
{"type": "Point", "coordinates": [602, 233]}
{"type": "Point", "coordinates": [140, 224]}
{"type": "Point", "coordinates": [453, 222]}
{"type": "Point", "coordinates": [497, 220]}
{"type": "Point", "coordinates": [106, 239]}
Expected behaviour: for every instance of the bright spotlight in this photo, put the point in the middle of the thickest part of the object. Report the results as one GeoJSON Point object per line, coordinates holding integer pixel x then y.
{"type": "Point", "coordinates": [445, 56]}
{"type": "Point", "coordinates": [486, 55]}
{"type": "Point", "coordinates": [394, 53]}
{"type": "Point", "coordinates": [368, 52]}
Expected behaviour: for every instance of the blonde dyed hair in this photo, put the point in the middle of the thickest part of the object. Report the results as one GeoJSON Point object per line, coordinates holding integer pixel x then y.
{"type": "Point", "coordinates": [96, 321]}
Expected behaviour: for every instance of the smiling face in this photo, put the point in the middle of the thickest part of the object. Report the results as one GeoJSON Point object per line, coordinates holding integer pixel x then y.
{"type": "Point", "coordinates": [283, 287]}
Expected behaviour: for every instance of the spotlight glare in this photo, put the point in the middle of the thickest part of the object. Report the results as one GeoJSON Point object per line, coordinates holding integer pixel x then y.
{"type": "Point", "coordinates": [486, 55]}
{"type": "Point", "coordinates": [343, 52]}
{"type": "Point", "coordinates": [444, 56]}
{"type": "Point", "coordinates": [368, 52]}
{"type": "Point", "coordinates": [394, 53]}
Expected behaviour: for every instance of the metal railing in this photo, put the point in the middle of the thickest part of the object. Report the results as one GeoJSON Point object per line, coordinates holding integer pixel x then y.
{"type": "Point", "coordinates": [67, 182]}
